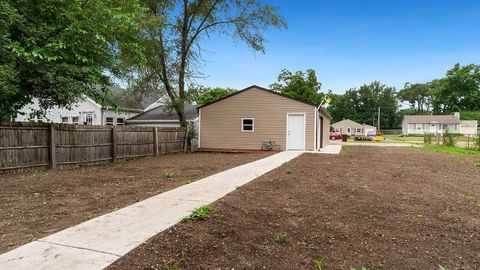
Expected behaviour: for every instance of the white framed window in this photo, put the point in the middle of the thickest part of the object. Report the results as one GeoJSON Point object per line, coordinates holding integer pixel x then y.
{"type": "Point", "coordinates": [75, 120]}
{"type": "Point", "coordinates": [348, 130]}
{"type": "Point", "coordinates": [359, 130]}
{"type": "Point", "coordinates": [120, 121]}
{"type": "Point", "coordinates": [418, 127]}
{"type": "Point", "coordinates": [337, 130]}
{"type": "Point", "coordinates": [89, 119]}
{"type": "Point", "coordinates": [64, 119]}
{"type": "Point", "coordinates": [109, 121]}
{"type": "Point", "coordinates": [248, 125]}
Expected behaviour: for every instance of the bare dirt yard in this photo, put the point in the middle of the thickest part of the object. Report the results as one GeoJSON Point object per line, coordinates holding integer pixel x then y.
{"type": "Point", "coordinates": [36, 204]}
{"type": "Point", "coordinates": [382, 208]}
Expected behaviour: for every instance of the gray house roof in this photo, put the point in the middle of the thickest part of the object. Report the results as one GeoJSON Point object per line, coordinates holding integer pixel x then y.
{"type": "Point", "coordinates": [163, 113]}
{"type": "Point", "coordinates": [426, 119]}
{"type": "Point", "coordinates": [351, 124]}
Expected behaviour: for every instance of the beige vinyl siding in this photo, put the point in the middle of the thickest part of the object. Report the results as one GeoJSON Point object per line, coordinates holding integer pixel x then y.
{"type": "Point", "coordinates": [326, 130]}
{"type": "Point", "coordinates": [221, 122]}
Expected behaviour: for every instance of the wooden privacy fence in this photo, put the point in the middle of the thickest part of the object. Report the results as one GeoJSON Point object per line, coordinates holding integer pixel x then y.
{"type": "Point", "coordinates": [28, 145]}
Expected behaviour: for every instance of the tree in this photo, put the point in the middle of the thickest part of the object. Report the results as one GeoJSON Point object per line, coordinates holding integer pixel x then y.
{"type": "Point", "coordinates": [59, 50]}
{"type": "Point", "coordinates": [361, 105]}
{"type": "Point", "coordinates": [300, 85]}
{"type": "Point", "coordinates": [172, 38]}
{"type": "Point", "coordinates": [418, 95]}
{"type": "Point", "coordinates": [458, 91]}
{"type": "Point", "coordinates": [212, 94]}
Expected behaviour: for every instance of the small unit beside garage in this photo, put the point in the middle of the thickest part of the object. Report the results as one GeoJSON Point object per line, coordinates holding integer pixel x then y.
{"type": "Point", "coordinates": [256, 118]}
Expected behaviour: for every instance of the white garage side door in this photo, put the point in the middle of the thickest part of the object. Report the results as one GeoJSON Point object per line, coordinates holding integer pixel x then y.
{"type": "Point", "coordinates": [295, 131]}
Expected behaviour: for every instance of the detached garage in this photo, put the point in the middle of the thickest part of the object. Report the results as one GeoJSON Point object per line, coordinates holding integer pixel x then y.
{"type": "Point", "coordinates": [256, 118]}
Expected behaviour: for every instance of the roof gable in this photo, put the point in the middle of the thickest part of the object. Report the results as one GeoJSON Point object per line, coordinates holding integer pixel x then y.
{"type": "Point", "coordinates": [166, 113]}
{"type": "Point", "coordinates": [424, 119]}
{"type": "Point", "coordinates": [347, 122]}
{"type": "Point", "coordinates": [257, 88]}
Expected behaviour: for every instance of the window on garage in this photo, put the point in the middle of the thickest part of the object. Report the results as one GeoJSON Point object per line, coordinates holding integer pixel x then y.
{"type": "Point", "coordinates": [248, 125]}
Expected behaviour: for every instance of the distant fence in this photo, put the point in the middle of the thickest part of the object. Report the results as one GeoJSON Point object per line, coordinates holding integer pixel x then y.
{"type": "Point", "coordinates": [393, 131]}
{"type": "Point", "coordinates": [29, 145]}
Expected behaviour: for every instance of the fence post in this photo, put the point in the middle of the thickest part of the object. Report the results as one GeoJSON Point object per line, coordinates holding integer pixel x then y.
{"type": "Point", "coordinates": [155, 140]}
{"type": "Point", "coordinates": [114, 145]}
{"type": "Point", "coordinates": [52, 148]}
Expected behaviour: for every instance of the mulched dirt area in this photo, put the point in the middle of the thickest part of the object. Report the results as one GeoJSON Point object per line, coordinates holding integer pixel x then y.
{"type": "Point", "coordinates": [36, 204]}
{"type": "Point", "coordinates": [383, 208]}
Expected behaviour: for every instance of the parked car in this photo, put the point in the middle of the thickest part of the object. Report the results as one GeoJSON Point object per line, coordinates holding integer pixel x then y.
{"type": "Point", "coordinates": [371, 135]}
{"type": "Point", "coordinates": [335, 136]}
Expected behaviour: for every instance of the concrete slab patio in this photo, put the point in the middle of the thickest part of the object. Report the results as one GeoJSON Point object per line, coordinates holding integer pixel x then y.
{"type": "Point", "coordinates": [97, 243]}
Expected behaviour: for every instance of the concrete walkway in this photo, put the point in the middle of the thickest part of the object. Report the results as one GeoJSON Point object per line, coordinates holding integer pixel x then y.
{"type": "Point", "coordinates": [97, 243]}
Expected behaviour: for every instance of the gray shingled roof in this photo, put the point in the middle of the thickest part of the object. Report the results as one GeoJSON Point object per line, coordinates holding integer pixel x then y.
{"type": "Point", "coordinates": [419, 119]}
{"type": "Point", "coordinates": [165, 113]}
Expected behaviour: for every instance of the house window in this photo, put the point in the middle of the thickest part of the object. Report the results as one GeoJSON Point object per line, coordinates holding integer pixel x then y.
{"type": "Point", "coordinates": [418, 127]}
{"type": "Point", "coordinates": [109, 121]}
{"type": "Point", "coordinates": [337, 130]}
{"type": "Point", "coordinates": [75, 120]}
{"type": "Point", "coordinates": [64, 119]}
{"type": "Point", "coordinates": [349, 130]}
{"type": "Point", "coordinates": [247, 125]}
{"type": "Point", "coordinates": [359, 130]}
{"type": "Point", "coordinates": [120, 121]}
{"type": "Point", "coordinates": [89, 119]}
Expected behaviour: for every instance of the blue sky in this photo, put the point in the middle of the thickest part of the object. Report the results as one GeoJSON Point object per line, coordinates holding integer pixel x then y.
{"type": "Point", "coordinates": [352, 42]}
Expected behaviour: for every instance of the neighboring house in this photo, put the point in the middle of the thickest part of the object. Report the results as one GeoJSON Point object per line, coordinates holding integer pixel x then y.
{"type": "Point", "coordinates": [469, 127]}
{"type": "Point", "coordinates": [350, 127]}
{"type": "Point", "coordinates": [434, 124]}
{"type": "Point", "coordinates": [254, 116]}
{"type": "Point", "coordinates": [163, 116]}
{"type": "Point", "coordinates": [84, 112]}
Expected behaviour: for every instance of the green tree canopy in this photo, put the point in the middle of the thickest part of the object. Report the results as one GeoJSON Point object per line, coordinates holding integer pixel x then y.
{"type": "Point", "coordinates": [59, 50]}
{"type": "Point", "coordinates": [361, 105]}
{"type": "Point", "coordinates": [458, 91]}
{"type": "Point", "coordinates": [213, 94]}
{"type": "Point", "coordinates": [173, 34]}
{"type": "Point", "coordinates": [301, 85]}
{"type": "Point", "coordinates": [418, 96]}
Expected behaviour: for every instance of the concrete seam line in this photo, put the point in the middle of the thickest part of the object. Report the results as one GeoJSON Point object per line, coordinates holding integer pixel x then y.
{"type": "Point", "coordinates": [89, 249]}
{"type": "Point", "coordinates": [175, 199]}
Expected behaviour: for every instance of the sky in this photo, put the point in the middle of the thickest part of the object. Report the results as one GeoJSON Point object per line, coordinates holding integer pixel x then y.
{"type": "Point", "coordinates": [352, 42]}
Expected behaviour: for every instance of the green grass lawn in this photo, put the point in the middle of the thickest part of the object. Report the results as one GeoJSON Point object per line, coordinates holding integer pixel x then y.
{"type": "Point", "coordinates": [419, 138]}
{"type": "Point", "coordinates": [451, 150]}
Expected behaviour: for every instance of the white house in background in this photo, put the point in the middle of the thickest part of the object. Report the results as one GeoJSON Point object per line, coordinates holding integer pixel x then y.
{"type": "Point", "coordinates": [163, 116]}
{"type": "Point", "coordinates": [83, 112]}
{"type": "Point", "coordinates": [350, 127]}
{"type": "Point", "coordinates": [435, 124]}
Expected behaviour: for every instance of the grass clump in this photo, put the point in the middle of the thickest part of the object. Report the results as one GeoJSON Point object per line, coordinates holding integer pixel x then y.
{"type": "Point", "coordinates": [361, 268]}
{"type": "Point", "coordinates": [199, 213]}
{"type": "Point", "coordinates": [169, 174]}
{"type": "Point", "coordinates": [171, 267]}
{"type": "Point", "coordinates": [281, 238]}
{"type": "Point", "coordinates": [289, 171]}
{"type": "Point", "coordinates": [319, 263]}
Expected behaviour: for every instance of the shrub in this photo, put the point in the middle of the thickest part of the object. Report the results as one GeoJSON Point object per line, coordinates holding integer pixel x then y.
{"type": "Point", "coordinates": [191, 133]}
{"type": "Point", "coordinates": [449, 138]}
{"type": "Point", "coordinates": [477, 142]}
{"type": "Point", "coordinates": [199, 213]}
{"type": "Point", "coordinates": [427, 139]}
{"type": "Point", "coordinates": [281, 238]}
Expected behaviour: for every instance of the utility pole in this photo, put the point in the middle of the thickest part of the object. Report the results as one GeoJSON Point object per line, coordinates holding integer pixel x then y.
{"type": "Point", "coordinates": [378, 120]}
